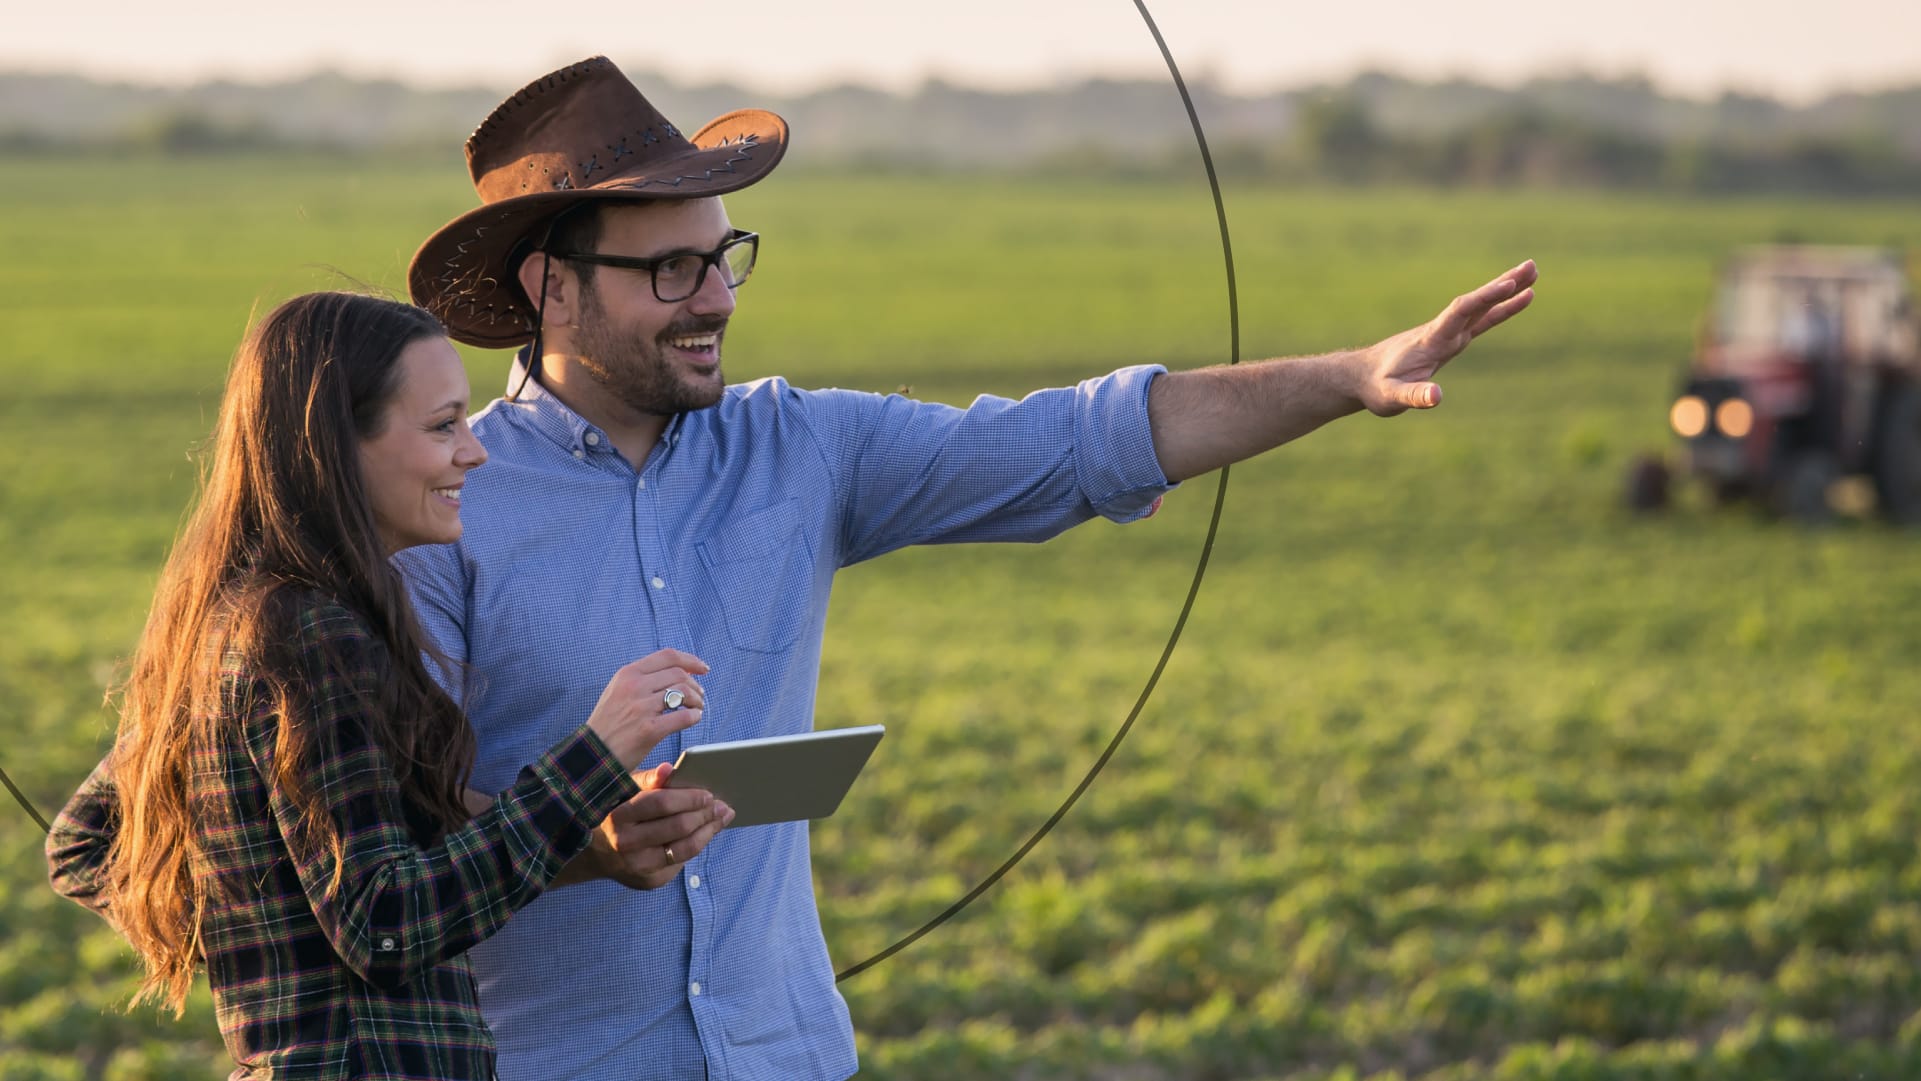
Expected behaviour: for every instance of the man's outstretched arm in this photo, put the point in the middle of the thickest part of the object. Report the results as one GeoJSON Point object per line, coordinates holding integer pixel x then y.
{"type": "Point", "coordinates": [1211, 417]}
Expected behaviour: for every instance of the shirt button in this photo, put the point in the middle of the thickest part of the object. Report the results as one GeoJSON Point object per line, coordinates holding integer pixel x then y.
{"type": "Point", "coordinates": [643, 484]}
{"type": "Point", "coordinates": [657, 582]}
{"type": "Point", "coordinates": [694, 989]}
{"type": "Point", "coordinates": [386, 943]}
{"type": "Point", "coordinates": [593, 439]}
{"type": "Point", "coordinates": [578, 453]}
{"type": "Point", "coordinates": [693, 882]}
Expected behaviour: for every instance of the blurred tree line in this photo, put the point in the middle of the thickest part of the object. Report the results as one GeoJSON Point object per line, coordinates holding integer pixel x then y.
{"type": "Point", "coordinates": [1574, 131]}
{"type": "Point", "coordinates": [1337, 138]}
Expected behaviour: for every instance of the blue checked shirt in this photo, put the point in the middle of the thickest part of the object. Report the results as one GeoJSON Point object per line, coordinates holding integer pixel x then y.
{"type": "Point", "coordinates": [725, 544]}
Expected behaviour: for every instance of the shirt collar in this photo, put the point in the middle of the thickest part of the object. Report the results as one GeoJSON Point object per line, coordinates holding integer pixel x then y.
{"type": "Point", "coordinates": [558, 423]}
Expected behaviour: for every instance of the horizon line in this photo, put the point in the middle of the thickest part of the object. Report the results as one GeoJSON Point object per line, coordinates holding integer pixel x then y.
{"type": "Point", "coordinates": [1549, 72]}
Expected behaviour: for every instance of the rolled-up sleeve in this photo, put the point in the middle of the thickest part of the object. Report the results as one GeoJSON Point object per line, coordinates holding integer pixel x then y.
{"type": "Point", "coordinates": [909, 472]}
{"type": "Point", "coordinates": [1114, 444]}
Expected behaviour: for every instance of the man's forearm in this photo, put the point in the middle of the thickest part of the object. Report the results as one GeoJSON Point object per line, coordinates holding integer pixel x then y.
{"type": "Point", "coordinates": [1211, 417]}
{"type": "Point", "coordinates": [1206, 419]}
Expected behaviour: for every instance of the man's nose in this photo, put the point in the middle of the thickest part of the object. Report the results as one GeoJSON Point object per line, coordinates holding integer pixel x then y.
{"type": "Point", "coordinates": [714, 297]}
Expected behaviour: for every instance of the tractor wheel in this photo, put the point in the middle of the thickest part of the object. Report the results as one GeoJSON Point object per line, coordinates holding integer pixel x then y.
{"type": "Point", "coordinates": [1897, 457]}
{"type": "Point", "coordinates": [1647, 484]}
{"type": "Point", "coordinates": [1800, 490]}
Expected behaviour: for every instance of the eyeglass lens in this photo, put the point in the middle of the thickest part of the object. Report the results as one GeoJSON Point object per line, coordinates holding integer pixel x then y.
{"type": "Point", "coordinates": [681, 276]}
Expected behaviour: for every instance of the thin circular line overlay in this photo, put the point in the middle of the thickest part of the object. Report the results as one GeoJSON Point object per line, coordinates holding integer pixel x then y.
{"type": "Point", "coordinates": [1200, 565]}
{"type": "Point", "coordinates": [24, 802]}
{"type": "Point", "coordinates": [1180, 622]}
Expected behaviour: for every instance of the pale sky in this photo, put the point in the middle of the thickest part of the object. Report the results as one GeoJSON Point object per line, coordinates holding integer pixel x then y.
{"type": "Point", "coordinates": [1791, 48]}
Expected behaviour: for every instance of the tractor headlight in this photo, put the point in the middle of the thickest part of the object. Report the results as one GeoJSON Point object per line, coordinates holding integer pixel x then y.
{"type": "Point", "coordinates": [1734, 417]}
{"type": "Point", "coordinates": [1689, 416]}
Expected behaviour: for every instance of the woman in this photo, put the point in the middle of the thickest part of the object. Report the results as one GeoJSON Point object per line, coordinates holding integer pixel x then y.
{"type": "Point", "coordinates": [284, 802]}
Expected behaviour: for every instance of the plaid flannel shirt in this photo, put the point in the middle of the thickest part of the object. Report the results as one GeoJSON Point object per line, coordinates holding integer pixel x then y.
{"type": "Point", "coordinates": [370, 982]}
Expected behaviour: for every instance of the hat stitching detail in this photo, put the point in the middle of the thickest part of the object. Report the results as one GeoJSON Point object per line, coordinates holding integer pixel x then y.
{"type": "Point", "coordinates": [527, 93]}
{"type": "Point", "coordinates": [746, 143]}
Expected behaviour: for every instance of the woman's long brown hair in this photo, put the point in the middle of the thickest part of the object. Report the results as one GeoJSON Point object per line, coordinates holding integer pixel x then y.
{"type": "Point", "coordinates": [282, 512]}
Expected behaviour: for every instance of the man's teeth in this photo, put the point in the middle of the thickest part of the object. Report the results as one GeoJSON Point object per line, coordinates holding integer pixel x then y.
{"type": "Point", "coordinates": [450, 493]}
{"type": "Point", "coordinates": [697, 342]}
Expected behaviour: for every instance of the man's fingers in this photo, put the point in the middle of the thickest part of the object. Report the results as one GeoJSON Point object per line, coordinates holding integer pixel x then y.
{"type": "Point", "coordinates": [666, 831]}
{"type": "Point", "coordinates": [1520, 277]}
{"type": "Point", "coordinates": [1503, 311]}
{"type": "Point", "coordinates": [662, 832]}
{"type": "Point", "coordinates": [655, 778]}
{"type": "Point", "coordinates": [660, 803]}
{"type": "Point", "coordinates": [1421, 395]}
{"type": "Point", "coordinates": [694, 843]}
{"type": "Point", "coordinates": [1469, 312]}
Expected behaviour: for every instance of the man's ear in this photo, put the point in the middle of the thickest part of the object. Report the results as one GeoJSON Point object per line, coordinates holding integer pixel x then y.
{"type": "Point", "coordinates": [557, 310]}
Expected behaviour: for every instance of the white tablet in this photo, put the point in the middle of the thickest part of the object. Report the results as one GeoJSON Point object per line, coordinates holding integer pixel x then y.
{"type": "Point", "coordinates": [779, 778]}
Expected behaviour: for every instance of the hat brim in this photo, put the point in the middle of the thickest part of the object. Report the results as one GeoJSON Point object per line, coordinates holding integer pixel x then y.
{"type": "Point", "coordinates": [463, 272]}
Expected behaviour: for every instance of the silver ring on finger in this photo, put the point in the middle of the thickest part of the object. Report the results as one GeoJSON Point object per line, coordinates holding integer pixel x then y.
{"type": "Point", "coordinates": [672, 699]}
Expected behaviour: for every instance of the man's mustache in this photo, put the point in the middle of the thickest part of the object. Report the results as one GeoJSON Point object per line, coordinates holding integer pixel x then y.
{"type": "Point", "coordinates": [682, 328]}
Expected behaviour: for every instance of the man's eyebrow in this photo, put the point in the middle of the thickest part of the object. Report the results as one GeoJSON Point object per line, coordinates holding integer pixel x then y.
{"type": "Point", "coordinates": [452, 403]}
{"type": "Point", "coordinates": [671, 252]}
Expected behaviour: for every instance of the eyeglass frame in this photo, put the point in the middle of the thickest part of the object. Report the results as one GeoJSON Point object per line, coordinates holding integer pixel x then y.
{"type": "Point", "coordinates": [651, 264]}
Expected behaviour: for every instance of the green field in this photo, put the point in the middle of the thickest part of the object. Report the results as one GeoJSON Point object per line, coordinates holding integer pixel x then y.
{"type": "Point", "coordinates": [1460, 772]}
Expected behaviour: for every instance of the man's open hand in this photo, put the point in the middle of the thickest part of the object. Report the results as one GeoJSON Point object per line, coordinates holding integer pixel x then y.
{"type": "Point", "coordinates": [1397, 372]}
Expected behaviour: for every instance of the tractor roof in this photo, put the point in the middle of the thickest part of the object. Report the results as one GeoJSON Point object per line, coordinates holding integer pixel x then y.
{"type": "Point", "coordinates": [1881, 266]}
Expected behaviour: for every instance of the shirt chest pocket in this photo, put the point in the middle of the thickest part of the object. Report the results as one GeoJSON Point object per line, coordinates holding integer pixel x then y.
{"type": "Point", "coordinates": [759, 568]}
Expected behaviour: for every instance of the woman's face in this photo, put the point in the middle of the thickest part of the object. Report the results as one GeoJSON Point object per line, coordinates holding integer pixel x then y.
{"type": "Point", "coordinates": [415, 467]}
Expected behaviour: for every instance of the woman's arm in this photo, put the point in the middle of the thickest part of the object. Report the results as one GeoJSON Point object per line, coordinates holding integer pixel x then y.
{"type": "Point", "coordinates": [400, 910]}
{"type": "Point", "coordinates": [82, 831]}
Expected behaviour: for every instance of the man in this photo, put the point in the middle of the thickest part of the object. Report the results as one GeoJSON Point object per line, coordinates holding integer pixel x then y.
{"type": "Point", "coordinates": [635, 501]}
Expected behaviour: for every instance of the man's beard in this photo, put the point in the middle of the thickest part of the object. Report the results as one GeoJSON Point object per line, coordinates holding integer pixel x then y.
{"type": "Point", "coordinates": [640, 374]}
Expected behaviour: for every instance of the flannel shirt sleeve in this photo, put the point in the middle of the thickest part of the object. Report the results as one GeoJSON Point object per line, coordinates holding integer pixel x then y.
{"type": "Point", "coordinates": [77, 844]}
{"type": "Point", "coordinates": [400, 910]}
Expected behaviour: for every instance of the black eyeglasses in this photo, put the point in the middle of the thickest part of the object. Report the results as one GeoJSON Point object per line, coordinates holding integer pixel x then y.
{"type": "Point", "coordinates": [680, 275]}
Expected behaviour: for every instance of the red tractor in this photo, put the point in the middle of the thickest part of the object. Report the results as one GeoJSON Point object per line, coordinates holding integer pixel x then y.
{"type": "Point", "coordinates": [1809, 372]}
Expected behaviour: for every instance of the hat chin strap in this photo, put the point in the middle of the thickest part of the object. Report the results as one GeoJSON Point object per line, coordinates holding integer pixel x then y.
{"type": "Point", "coordinates": [540, 323]}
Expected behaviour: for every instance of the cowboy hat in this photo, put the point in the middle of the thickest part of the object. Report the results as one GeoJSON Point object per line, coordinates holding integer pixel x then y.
{"type": "Point", "coordinates": [580, 134]}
